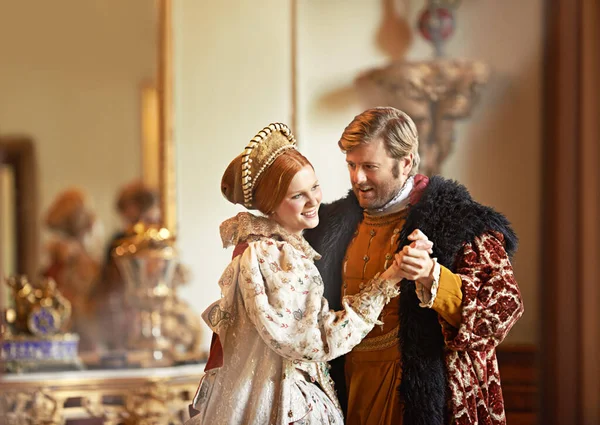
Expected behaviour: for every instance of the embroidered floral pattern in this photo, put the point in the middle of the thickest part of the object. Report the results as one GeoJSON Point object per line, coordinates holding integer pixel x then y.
{"type": "Point", "coordinates": [491, 306]}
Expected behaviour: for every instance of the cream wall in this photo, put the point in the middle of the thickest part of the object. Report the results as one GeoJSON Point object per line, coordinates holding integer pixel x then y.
{"type": "Point", "coordinates": [232, 67]}
{"type": "Point", "coordinates": [497, 155]}
{"type": "Point", "coordinates": [70, 78]}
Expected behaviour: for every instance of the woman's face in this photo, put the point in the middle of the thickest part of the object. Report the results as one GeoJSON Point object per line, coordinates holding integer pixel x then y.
{"type": "Point", "coordinates": [300, 206]}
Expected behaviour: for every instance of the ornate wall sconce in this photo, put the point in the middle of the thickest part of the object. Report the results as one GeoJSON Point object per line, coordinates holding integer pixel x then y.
{"type": "Point", "coordinates": [436, 92]}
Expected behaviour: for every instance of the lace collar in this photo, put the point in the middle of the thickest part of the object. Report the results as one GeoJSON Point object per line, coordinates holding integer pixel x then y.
{"type": "Point", "coordinates": [245, 226]}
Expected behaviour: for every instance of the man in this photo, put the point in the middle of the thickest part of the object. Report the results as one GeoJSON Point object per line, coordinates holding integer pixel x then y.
{"type": "Point", "coordinates": [136, 203]}
{"type": "Point", "coordinates": [432, 361]}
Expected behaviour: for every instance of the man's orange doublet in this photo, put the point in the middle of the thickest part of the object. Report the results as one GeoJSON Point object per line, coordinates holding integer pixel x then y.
{"type": "Point", "coordinates": [375, 362]}
{"type": "Point", "coordinates": [373, 369]}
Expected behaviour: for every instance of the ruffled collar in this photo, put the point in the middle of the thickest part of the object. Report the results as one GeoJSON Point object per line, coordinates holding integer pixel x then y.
{"type": "Point", "coordinates": [245, 226]}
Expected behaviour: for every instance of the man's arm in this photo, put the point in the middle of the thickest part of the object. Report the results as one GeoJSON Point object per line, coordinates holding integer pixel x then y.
{"type": "Point", "coordinates": [491, 302]}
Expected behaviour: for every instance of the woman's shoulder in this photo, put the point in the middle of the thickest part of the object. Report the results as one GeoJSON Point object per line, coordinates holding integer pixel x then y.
{"type": "Point", "coordinates": [268, 252]}
{"type": "Point", "coordinates": [269, 245]}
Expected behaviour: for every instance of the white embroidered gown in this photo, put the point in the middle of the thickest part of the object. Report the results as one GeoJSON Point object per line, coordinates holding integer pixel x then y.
{"type": "Point", "coordinates": [277, 332]}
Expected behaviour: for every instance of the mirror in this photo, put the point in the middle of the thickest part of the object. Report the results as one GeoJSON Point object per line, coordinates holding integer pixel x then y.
{"type": "Point", "coordinates": [83, 147]}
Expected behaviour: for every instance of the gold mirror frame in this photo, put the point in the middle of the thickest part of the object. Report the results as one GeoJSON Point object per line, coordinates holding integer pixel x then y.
{"type": "Point", "coordinates": [166, 162]}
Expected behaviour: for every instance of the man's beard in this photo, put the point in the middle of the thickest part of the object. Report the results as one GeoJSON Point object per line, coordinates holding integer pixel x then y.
{"type": "Point", "coordinates": [379, 195]}
{"type": "Point", "coordinates": [384, 193]}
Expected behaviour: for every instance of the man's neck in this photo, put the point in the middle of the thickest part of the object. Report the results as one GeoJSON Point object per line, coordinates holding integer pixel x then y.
{"type": "Point", "coordinates": [397, 203]}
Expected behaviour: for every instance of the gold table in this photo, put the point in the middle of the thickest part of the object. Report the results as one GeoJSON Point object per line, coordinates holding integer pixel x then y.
{"type": "Point", "coordinates": [157, 396]}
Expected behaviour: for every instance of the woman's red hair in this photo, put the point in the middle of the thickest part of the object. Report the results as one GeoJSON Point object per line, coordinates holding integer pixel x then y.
{"type": "Point", "coordinates": [273, 184]}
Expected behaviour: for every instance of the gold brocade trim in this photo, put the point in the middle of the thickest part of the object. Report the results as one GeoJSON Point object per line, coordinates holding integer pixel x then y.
{"type": "Point", "coordinates": [380, 342]}
{"type": "Point", "coordinates": [385, 220]}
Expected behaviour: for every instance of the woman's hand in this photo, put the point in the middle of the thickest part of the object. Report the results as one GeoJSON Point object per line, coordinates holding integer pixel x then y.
{"type": "Point", "coordinates": [393, 273]}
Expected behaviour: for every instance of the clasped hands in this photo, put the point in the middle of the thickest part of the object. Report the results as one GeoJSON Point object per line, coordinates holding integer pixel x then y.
{"type": "Point", "coordinates": [414, 262]}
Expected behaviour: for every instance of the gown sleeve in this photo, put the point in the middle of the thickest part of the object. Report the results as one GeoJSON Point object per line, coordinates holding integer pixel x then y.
{"type": "Point", "coordinates": [283, 296]}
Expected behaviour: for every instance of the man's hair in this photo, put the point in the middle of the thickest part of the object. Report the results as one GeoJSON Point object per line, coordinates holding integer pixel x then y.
{"type": "Point", "coordinates": [138, 194]}
{"type": "Point", "coordinates": [396, 128]}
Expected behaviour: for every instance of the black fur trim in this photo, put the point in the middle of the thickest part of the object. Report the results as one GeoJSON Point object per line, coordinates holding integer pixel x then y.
{"type": "Point", "coordinates": [337, 223]}
{"type": "Point", "coordinates": [449, 217]}
{"type": "Point", "coordinates": [424, 382]}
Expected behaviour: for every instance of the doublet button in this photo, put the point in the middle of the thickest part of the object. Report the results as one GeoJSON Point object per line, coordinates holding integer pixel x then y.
{"type": "Point", "coordinates": [372, 232]}
{"type": "Point", "coordinates": [388, 256]}
{"type": "Point", "coordinates": [366, 258]}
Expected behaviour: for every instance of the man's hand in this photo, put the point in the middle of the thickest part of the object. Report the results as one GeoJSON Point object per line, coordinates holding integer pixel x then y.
{"type": "Point", "coordinates": [414, 260]}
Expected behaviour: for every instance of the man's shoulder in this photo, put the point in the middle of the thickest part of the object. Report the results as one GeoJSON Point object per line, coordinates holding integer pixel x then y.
{"type": "Point", "coordinates": [441, 186]}
{"type": "Point", "coordinates": [448, 201]}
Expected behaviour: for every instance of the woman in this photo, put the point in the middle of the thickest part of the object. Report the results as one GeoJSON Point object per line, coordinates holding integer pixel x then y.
{"type": "Point", "coordinates": [275, 328]}
{"type": "Point", "coordinates": [71, 262]}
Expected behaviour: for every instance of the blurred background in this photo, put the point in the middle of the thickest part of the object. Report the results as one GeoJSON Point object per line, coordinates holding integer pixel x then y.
{"type": "Point", "coordinates": [114, 112]}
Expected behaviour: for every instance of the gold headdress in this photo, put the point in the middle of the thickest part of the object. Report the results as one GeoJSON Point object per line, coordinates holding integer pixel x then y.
{"type": "Point", "coordinates": [239, 181]}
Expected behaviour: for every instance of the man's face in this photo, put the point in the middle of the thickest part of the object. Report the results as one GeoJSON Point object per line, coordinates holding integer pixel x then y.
{"type": "Point", "coordinates": [130, 214]}
{"type": "Point", "coordinates": [151, 216]}
{"type": "Point", "coordinates": [376, 177]}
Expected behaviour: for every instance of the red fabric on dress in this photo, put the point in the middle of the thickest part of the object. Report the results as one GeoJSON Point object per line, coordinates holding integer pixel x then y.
{"type": "Point", "coordinates": [215, 356]}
